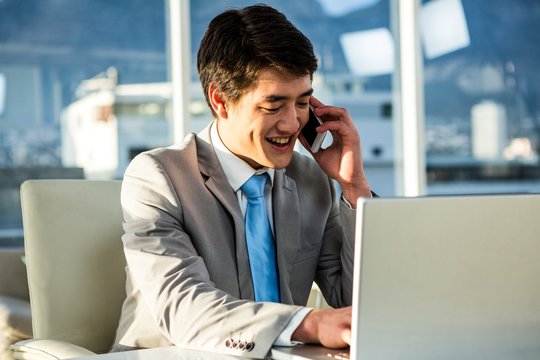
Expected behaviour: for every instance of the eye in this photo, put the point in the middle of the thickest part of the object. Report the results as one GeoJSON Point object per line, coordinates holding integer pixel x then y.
{"type": "Point", "coordinates": [271, 110]}
{"type": "Point", "coordinates": [302, 101]}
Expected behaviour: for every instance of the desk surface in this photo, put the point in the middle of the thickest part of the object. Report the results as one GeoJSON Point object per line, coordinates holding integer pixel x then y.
{"type": "Point", "coordinates": [176, 353]}
{"type": "Point", "coordinates": [161, 353]}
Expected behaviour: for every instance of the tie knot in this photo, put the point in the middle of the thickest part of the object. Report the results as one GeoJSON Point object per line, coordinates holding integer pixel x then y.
{"type": "Point", "coordinates": [254, 187]}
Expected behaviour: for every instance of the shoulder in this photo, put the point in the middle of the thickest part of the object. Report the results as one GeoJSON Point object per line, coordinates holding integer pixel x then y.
{"type": "Point", "coordinates": [185, 164]}
{"type": "Point", "coordinates": [164, 171]}
{"type": "Point", "coordinates": [179, 155]}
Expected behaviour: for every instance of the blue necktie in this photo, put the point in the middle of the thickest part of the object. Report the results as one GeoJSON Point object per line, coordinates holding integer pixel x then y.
{"type": "Point", "coordinates": [260, 244]}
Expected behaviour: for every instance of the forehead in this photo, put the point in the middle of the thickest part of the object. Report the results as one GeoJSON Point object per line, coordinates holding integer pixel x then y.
{"type": "Point", "coordinates": [272, 82]}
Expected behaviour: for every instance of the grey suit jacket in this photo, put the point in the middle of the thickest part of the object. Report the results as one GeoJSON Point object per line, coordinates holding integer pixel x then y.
{"type": "Point", "coordinates": [188, 274]}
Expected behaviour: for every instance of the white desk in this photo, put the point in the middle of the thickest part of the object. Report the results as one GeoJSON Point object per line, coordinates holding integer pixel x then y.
{"type": "Point", "coordinates": [161, 353]}
{"type": "Point", "coordinates": [176, 353]}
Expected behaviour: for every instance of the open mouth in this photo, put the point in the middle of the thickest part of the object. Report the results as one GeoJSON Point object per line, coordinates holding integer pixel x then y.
{"type": "Point", "coordinates": [280, 142]}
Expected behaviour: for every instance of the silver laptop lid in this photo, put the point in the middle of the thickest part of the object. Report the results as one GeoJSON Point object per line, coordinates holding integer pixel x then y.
{"type": "Point", "coordinates": [447, 278]}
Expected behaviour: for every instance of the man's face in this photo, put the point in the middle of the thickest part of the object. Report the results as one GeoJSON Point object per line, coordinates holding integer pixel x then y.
{"type": "Point", "coordinates": [262, 126]}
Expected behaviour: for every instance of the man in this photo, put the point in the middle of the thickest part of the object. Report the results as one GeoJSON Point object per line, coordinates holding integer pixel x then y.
{"type": "Point", "coordinates": [193, 271]}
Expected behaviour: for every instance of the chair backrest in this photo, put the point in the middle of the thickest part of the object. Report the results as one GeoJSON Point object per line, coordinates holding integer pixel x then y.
{"type": "Point", "coordinates": [75, 261]}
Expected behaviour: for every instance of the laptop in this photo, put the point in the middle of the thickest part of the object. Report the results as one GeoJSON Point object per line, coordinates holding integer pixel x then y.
{"type": "Point", "coordinates": [446, 277]}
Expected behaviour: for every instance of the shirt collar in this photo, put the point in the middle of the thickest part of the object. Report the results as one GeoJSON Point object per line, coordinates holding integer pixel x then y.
{"type": "Point", "coordinates": [236, 170]}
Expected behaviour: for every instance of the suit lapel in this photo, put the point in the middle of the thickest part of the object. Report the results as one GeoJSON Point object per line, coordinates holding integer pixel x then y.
{"type": "Point", "coordinates": [217, 183]}
{"type": "Point", "coordinates": [286, 210]}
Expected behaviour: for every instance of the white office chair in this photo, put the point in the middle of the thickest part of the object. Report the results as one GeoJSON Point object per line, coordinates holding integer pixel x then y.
{"type": "Point", "coordinates": [75, 266]}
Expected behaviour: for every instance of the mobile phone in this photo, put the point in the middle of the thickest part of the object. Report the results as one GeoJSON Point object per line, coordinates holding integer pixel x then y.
{"type": "Point", "coordinates": [313, 139]}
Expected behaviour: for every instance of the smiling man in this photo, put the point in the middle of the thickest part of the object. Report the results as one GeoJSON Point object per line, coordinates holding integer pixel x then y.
{"type": "Point", "coordinates": [210, 264]}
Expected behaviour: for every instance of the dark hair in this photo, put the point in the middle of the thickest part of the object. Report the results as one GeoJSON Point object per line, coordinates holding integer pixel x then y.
{"type": "Point", "coordinates": [240, 42]}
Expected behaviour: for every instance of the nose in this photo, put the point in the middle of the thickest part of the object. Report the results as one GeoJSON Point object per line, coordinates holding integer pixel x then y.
{"type": "Point", "coordinates": [290, 122]}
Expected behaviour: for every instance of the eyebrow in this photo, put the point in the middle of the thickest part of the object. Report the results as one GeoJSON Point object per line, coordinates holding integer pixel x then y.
{"type": "Point", "coordinates": [274, 98]}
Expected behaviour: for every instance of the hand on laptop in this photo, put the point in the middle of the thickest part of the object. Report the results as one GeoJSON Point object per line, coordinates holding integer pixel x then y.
{"type": "Point", "coordinates": [328, 327]}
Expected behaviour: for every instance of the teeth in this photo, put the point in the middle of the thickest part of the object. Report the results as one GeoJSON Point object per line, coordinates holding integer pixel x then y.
{"type": "Point", "coordinates": [279, 140]}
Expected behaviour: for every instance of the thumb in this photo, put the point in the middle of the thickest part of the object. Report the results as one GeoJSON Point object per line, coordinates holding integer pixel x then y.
{"type": "Point", "coordinates": [346, 336]}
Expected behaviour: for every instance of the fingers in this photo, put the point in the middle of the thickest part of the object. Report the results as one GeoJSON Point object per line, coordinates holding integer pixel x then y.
{"type": "Point", "coordinates": [343, 132]}
{"type": "Point", "coordinates": [329, 113]}
{"type": "Point", "coordinates": [346, 336]}
{"type": "Point", "coordinates": [328, 327]}
{"type": "Point", "coordinates": [315, 102]}
{"type": "Point", "coordinates": [346, 325]}
{"type": "Point", "coordinates": [335, 126]}
{"type": "Point", "coordinates": [336, 329]}
{"type": "Point", "coordinates": [333, 113]}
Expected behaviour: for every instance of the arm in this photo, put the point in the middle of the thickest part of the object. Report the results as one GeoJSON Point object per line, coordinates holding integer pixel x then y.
{"type": "Point", "coordinates": [341, 161]}
{"type": "Point", "coordinates": [332, 327]}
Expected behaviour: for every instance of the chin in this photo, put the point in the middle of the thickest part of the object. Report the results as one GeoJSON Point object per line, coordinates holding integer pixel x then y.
{"type": "Point", "coordinates": [275, 160]}
{"type": "Point", "coordinates": [280, 164]}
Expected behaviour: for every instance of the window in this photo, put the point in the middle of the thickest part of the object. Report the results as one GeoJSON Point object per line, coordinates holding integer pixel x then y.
{"type": "Point", "coordinates": [482, 98]}
{"type": "Point", "coordinates": [81, 91]}
{"type": "Point", "coordinates": [85, 86]}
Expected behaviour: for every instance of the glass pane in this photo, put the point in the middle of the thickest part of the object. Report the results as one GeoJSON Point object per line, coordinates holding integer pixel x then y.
{"type": "Point", "coordinates": [482, 97]}
{"type": "Point", "coordinates": [355, 48]}
{"type": "Point", "coordinates": [83, 88]}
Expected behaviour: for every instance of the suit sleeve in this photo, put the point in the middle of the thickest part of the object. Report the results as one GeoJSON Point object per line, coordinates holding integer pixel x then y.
{"type": "Point", "coordinates": [336, 263]}
{"type": "Point", "coordinates": [173, 279]}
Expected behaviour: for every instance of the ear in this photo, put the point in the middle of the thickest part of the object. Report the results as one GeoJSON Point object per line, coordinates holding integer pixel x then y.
{"type": "Point", "coordinates": [217, 102]}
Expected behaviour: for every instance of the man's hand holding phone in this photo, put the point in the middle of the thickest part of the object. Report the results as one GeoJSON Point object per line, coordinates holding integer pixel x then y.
{"type": "Point", "coordinates": [342, 160]}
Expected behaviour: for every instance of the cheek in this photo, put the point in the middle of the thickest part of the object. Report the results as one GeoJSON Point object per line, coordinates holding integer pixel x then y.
{"type": "Point", "coordinates": [258, 129]}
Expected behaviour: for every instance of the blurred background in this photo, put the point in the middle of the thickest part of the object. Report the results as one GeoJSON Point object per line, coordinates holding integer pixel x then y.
{"type": "Point", "coordinates": [85, 85]}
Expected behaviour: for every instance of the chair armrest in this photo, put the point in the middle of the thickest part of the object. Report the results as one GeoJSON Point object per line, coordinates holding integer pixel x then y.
{"type": "Point", "coordinates": [45, 349]}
